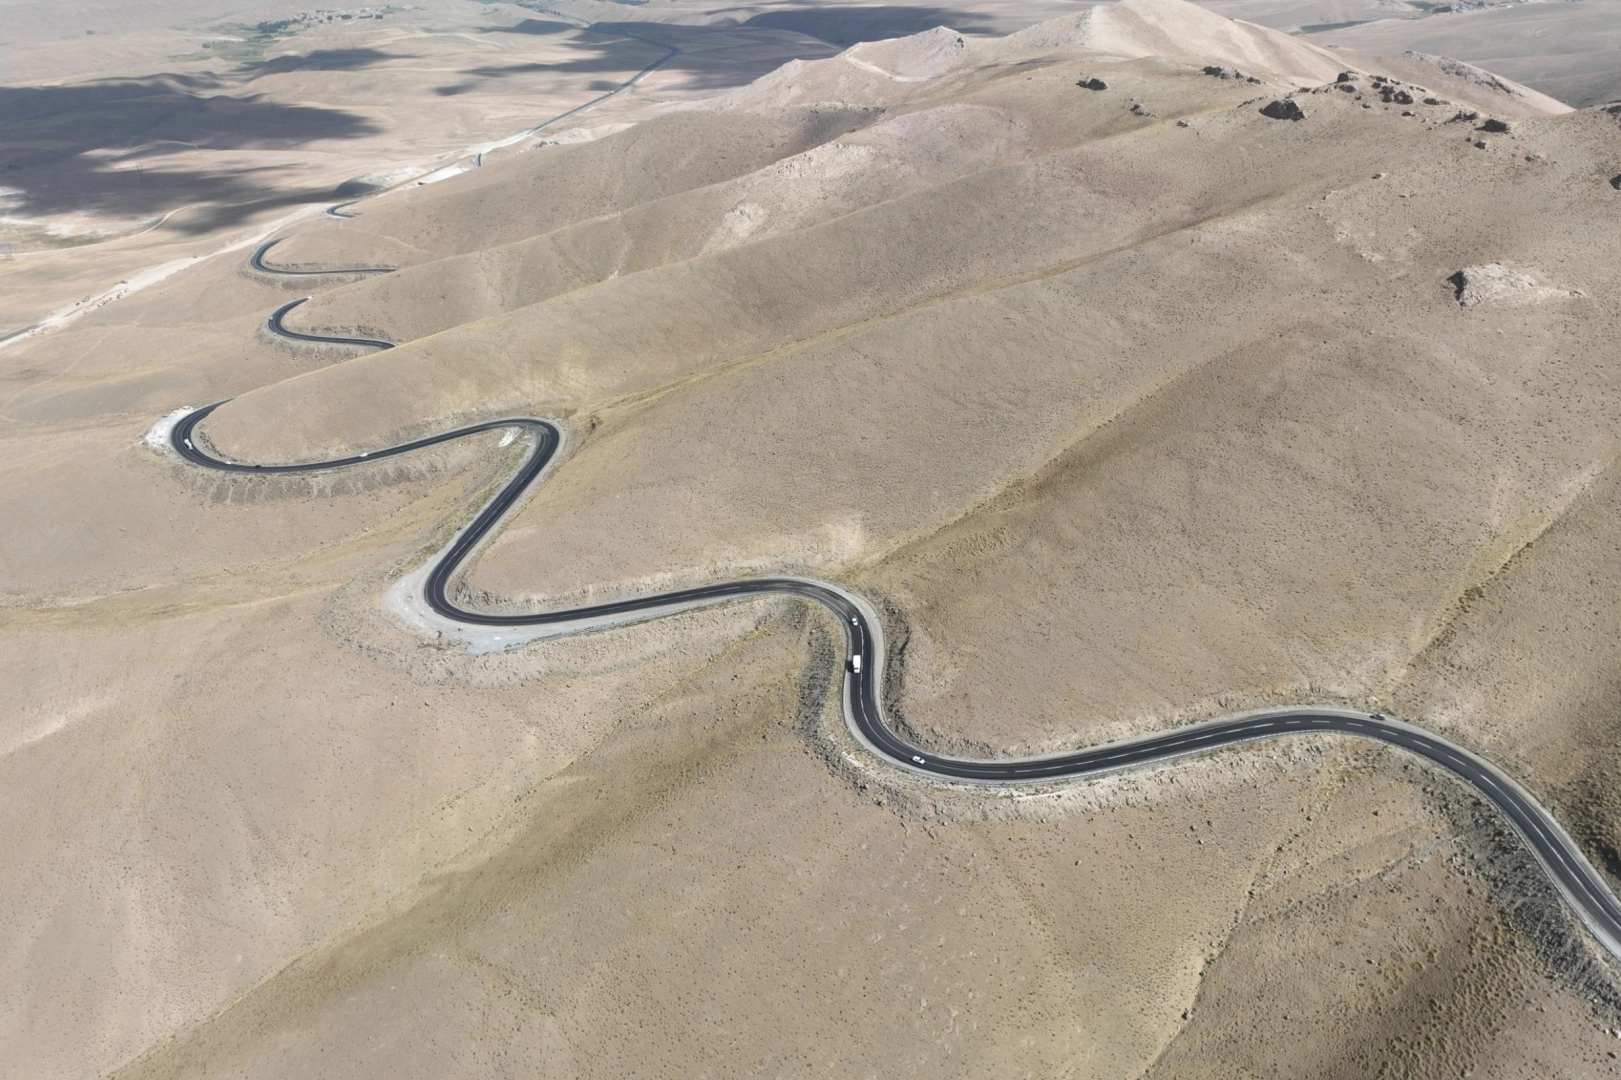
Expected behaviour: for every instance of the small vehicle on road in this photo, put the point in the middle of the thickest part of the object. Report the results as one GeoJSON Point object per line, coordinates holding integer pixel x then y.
{"type": "Point", "coordinates": [855, 663]}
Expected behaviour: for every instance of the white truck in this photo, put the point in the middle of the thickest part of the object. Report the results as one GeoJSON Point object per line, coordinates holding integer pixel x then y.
{"type": "Point", "coordinates": [855, 663]}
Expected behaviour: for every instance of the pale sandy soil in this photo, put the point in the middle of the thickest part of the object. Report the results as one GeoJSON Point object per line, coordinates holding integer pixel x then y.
{"type": "Point", "coordinates": [191, 132]}
{"type": "Point", "coordinates": [1123, 415]}
{"type": "Point", "coordinates": [681, 931]}
{"type": "Point", "coordinates": [1569, 50]}
{"type": "Point", "coordinates": [1566, 49]}
{"type": "Point", "coordinates": [172, 131]}
{"type": "Point", "coordinates": [1572, 51]}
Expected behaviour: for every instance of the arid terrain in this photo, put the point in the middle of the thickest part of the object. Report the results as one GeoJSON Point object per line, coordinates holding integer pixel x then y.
{"type": "Point", "coordinates": [1126, 399]}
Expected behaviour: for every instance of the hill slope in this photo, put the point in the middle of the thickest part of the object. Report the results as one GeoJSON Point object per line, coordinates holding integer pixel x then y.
{"type": "Point", "coordinates": [1126, 405]}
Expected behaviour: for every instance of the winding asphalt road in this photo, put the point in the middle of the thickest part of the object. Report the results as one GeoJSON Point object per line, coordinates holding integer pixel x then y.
{"type": "Point", "coordinates": [257, 262]}
{"type": "Point", "coordinates": [1581, 886]}
{"type": "Point", "coordinates": [1575, 878]}
{"type": "Point", "coordinates": [275, 325]}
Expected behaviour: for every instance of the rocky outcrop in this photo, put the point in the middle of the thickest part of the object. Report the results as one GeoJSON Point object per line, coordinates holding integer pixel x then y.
{"type": "Point", "coordinates": [1219, 72]}
{"type": "Point", "coordinates": [1496, 284]}
{"type": "Point", "coordinates": [1284, 109]}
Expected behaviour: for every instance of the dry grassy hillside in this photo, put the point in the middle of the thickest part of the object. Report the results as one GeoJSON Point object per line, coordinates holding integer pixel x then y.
{"type": "Point", "coordinates": [1572, 51]}
{"type": "Point", "coordinates": [555, 187]}
{"type": "Point", "coordinates": [1126, 405]}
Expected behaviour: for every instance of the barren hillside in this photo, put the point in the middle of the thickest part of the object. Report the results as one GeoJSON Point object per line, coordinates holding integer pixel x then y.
{"type": "Point", "coordinates": [1139, 365]}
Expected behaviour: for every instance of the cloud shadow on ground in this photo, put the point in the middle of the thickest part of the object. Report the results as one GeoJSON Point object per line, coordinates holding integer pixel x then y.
{"type": "Point", "coordinates": [819, 30]}
{"type": "Point", "coordinates": [100, 146]}
{"type": "Point", "coordinates": [321, 60]}
{"type": "Point", "coordinates": [609, 51]}
{"type": "Point", "coordinates": [532, 26]}
{"type": "Point", "coordinates": [844, 26]}
{"type": "Point", "coordinates": [621, 49]}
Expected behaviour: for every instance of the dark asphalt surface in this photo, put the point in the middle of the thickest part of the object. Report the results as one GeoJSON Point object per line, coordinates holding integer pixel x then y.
{"type": "Point", "coordinates": [277, 326]}
{"type": "Point", "coordinates": [1559, 856]}
{"type": "Point", "coordinates": [1583, 888]}
{"type": "Point", "coordinates": [257, 261]}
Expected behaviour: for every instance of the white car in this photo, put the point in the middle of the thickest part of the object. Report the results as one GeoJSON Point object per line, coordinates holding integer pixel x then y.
{"type": "Point", "coordinates": [855, 663]}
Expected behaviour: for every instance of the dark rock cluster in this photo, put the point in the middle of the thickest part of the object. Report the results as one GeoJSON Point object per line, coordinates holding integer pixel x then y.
{"type": "Point", "coordinates": [1284, 109]}
{"type": "Point", "coordinates": [1093, 84]}
{"type": "Point", "coordinates": [1390, 91]}
{"type": "Point", "coordinates": [1229, 73]}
